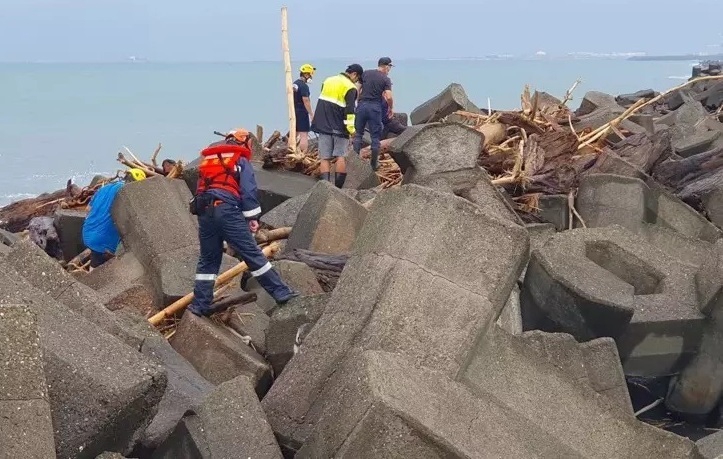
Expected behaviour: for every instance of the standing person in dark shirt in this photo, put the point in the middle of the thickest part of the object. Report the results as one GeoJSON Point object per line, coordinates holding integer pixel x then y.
{"type": "Point", "coordinates": [375, 86]}
{"type": "Point", "coordinates": [302, 105]}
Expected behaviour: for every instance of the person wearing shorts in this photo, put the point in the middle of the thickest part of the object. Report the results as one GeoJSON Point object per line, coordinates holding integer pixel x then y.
{"type": "Point", "coordinates": [334, 121]}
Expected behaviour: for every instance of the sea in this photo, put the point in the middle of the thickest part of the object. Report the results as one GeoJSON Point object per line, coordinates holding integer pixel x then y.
{"type": "Point", "coordinates": [61, 121]}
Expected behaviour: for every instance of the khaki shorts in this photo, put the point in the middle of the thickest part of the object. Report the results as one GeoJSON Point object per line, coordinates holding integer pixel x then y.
{"type": "Point", "coordinates": [331, 146]}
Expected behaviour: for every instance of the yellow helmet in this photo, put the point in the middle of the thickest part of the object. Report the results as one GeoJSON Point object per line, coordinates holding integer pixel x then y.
{"type": "Point", "coordinates": [137, 174]}
{"type": "Point", "coordinates": [307, 68]}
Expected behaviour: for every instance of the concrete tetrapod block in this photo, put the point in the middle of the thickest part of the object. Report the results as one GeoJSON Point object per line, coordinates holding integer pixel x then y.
{"type": "Point", "coordinates": [451, 99]}
{"type": "Point", "coordinates": [298, 276]}
{"type": "Point", "coordinates": [153, 220]}
{"type": "Point", "coordinates": [286, 213]}
{"type": "Point", "coordinates": [186, 390]}
{"type": "Point", "coordinates": [600, 282]}
{"type": "Point", "coordinates": [101, 390]}
{"type": "Point", "coordinates": [379, 303]}
{"type": "Point", "coordinates": [284, 328]}
{"type": "Point", "coordinates": [251, 322]}
{"type": "Point", "coordinates": [26, 429]}
{"type": "Point", "coordinates": [711, 447]}
{"type": "Point", "coordinates": [429, 227]}
{"type": "Point", "coordinates": [69, 223]}
{"type": "Point", "coordinates": [228, 424]}
{"type": "Point", "coordinates": [45, 274]}
{"type": "Point", "coordinates": [328, 222]}
{"type": "Point", "coordinates": [276, 186]}
{"type": "Point", "coordinates": [606, 199]}
{"type": "Point", "coordinates": [593, 100]}
{"type": "Point", "coordinates": [383, 406]}
{"type": "Point", "coordinates": [507, 369]}
{"type": "Point", "coordinates": [444, 157]}
{"type": "Point", "coordinates": [359, 174]}
{"type": "Point", "coordinates": [219, 354]}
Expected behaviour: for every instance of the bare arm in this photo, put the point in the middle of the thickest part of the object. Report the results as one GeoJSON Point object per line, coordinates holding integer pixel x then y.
{"type": "Point", "coordinates": [390, 100]}
{"type": "Point", "coordinates": [307, 104]}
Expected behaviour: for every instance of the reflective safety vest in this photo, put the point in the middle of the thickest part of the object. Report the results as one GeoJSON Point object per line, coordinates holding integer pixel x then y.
{"type": "Point", "coordinates": [219, 167]}
{"type": "Point", "coordinates": [333, 115]}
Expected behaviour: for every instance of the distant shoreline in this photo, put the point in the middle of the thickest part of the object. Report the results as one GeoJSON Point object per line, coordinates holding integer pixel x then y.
{"type": "Point", "coordinates": [679, 57]}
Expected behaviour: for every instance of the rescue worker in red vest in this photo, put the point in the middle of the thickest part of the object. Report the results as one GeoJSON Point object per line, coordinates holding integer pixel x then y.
{"type": "Point", "coordinates": [228, 210]}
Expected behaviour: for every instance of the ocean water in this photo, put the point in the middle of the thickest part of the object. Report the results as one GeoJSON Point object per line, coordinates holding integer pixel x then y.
{"type": "Point", "coordinates": [61, 121]}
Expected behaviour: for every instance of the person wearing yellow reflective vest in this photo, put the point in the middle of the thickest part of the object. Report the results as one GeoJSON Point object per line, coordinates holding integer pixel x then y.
{"type": "Point", "coordinates": [334, 121]}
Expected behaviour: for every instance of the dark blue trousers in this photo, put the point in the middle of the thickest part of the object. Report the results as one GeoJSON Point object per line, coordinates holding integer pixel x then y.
{"type": "Point", "coordinates": [368, 114]}
{"type": "Point", "coordinates": [225, 222]}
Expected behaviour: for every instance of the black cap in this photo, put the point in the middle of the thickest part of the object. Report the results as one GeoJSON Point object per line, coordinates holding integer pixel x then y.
{"type": "Point", "coordinates": [385, 61]}
{"type": "Point", "coordinates": [355, 68]}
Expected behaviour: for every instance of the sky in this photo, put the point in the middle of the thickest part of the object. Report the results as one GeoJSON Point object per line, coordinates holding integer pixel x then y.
{"type": "Point", "coordinates": [247, 30]}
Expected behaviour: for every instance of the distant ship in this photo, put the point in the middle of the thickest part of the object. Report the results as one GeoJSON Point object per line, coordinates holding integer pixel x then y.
{"type": "Point", "coordinates": [137, 59]}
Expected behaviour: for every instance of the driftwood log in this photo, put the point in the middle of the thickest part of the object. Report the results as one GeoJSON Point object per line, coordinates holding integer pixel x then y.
{"type": "Point", "coordinates": [16, 216]}
{"type": "Point", "coordinates": [327, 267]}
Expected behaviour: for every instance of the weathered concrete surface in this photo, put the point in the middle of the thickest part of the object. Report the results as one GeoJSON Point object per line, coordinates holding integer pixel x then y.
{"type": "Point", "coordinates": [69, 223]}
{"type": "Point", "coordinates": [510, 318]}
{"type": "Point", "coordinates": [92, 410]}
{"type": "Point", "coordinates": [359, 174]}
{"type": "Point", "coordinates": [609, 162]}
{"type": "Point", "coordinates": [299, 276]}
{"type": "Point", "coordinates": [26, 429]}
{"type": "Point", "coordinates": [219, 354]}
{"type": "Point", "coordinates": [397, 294]}
{"type": "Point", "coordinates": [284, 327]}
{"type": "Point", "coordinates": [554, 209]}
{"type": "Point", "coordinates": [568, 412]}
{"type": "Point", "coordinates": [7, 238]}
{"type": "Point", "coordinates": [186, 390]}
{"type": "Point", "coordinates": [167, 244]}
{"type": "Point", "coordinates": [228, 424]}
{"type": "Point", "coordinates": [286, 213]}
{"type": "Point", "coordinates": [275, 186]}
{"type": "Point", "coordinates": [383, 406]}
{"type": "Point", "coordinates": [711, 447]}
{"type": "Point", "coordinates": [417, 151]}
{"type": "Point", "coordinates": [600, 282]}
{"type": "Point", "coordinates": [427, 223]}
{"type": "Point", "coordinates": [594, 100]}
{"type": "Point", "coordinates": [251, 322]}
{"type": "Point", "coordinates": [328, 222]}
{"type": "Point", "coordinates": [451, 99]}
{"type": "Point", "coordinates": [45, 274]}
{"type": "Point", "coordinates": [606, 199]}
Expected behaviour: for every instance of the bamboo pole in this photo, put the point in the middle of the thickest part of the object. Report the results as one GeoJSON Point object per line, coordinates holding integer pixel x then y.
{"type": "Point", "coordinates": [224, 278]}
{"type": "Point", "coordinates": [289, 83]}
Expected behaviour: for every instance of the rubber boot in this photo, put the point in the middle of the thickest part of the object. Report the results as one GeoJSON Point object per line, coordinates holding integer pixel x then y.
{"type": "Point", "coordinates": [275, 286]}
{"type": "Point", "coordinates": [375, 160]}
{"type": "Point", "coordinates": [340, 179]}
{"type": "Point", "coordinates": [326, 176]}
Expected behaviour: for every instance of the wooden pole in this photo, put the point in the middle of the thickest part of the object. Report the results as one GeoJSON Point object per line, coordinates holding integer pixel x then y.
{"type": "Point", "coordinates": [289, 82]}
{"type": "Point", "coordinates": [224, 278]}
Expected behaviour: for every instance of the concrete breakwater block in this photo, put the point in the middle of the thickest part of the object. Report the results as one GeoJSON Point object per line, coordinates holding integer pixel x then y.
{"type": "Point", "coordinates": [417, 152]}
{"type": "Point", "coordinates": [228, 424]}
{"type": "Point", "coordinates": [451, 99]}
{"type": "Point", "coordinates": [608, 282]}
{"type": "Point", "coordinates": [69, 224]}
{"type": "Point", "coordinates": [26, 428]}
{"type": "Point", "coordinates": [328, 222]}
{"type": "Point", "coordinates": [153, 220]}
{"type": "Point", "coordinates": [101, 390]}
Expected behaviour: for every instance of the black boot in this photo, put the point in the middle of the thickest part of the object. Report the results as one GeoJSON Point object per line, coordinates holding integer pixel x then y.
{"type": "Point", "coordinates": [340, 179]}
{"type": "Point", "coordinates": [326, 176]}
{"type": "Point", "coordinates": [375, 160]}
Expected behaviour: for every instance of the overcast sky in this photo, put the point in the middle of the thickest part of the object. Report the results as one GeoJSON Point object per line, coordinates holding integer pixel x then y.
{"type": "Point", "coordinates": [241, 30]}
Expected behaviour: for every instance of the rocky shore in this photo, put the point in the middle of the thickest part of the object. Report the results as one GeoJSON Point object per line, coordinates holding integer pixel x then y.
{"type": "Point", "coordinates": [534, 283]}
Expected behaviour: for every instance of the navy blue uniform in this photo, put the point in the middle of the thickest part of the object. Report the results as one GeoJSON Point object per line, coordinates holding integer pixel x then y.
{"type": "Point", "coordinates": [226, 219]}
{"type": "Point", "coordinates": [301, 89]}
{"type": "Point", "coordinates": [369, 110]}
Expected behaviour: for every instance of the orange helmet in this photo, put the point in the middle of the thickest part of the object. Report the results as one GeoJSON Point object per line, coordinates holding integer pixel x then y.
{"type": "Point", "coordinates": [240, 134]}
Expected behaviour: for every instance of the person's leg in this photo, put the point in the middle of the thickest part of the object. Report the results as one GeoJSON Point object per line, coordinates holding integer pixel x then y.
{"type": "Point", "coordinates": [375, 131]}
{"type": "Point", "coordinates": [326, 147]}
{"type": "Point", "coordinates": [303, 142]}
{"type": "Point", "coordinates": [340, 147]}
{"type": "Point", "coordinates": [96, 259]}
{"type": "Point", "coordinates": [209, 262]}
{"type": "Point", "coordinates": [360, 122]}
{"type": "Point", "coordinates": [238, 235]}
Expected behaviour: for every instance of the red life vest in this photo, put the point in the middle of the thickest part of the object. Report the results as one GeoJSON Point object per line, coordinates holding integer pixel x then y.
{"type": "Point", "coordinates": [219, 169]}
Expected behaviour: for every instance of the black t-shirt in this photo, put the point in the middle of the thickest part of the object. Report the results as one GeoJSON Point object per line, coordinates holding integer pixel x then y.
{"type": "Point", "coordinates": [301, 89]}
{"type": "Point", "coordinates": [374, 83]}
